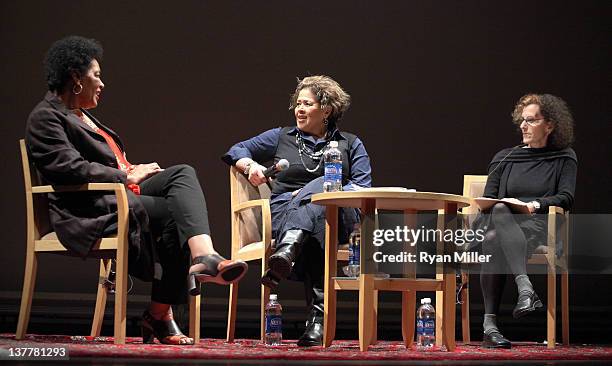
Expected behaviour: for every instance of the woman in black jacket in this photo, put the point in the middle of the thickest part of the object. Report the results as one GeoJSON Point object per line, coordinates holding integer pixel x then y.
{"type": "Point", "coordinates": [168, 216]}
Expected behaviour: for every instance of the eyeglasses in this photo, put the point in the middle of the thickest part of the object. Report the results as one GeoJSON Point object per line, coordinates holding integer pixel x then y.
{"type": "Point", "coordinates": [530, 121]}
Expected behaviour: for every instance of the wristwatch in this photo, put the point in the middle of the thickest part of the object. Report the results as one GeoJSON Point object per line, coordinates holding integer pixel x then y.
{"type": "Point", "coordinates": [248, 167]}
{"type": "Point", "coordinates": [536, 205]}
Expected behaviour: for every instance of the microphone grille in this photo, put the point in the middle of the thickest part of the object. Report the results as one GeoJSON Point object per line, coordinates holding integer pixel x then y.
{"type": "Point", "coordinates": [282, 164]}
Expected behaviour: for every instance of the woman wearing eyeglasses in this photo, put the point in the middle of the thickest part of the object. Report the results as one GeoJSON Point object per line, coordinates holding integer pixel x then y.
{"type": "Point", "coordinates": [540, 173]}
{"type": "Point", "coordinates": [318, 103]}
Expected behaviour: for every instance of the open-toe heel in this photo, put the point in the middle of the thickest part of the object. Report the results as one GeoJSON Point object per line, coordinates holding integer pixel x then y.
{"type": "Point", "coordinates": [147, 335]}
{"type": "Point", "coordinates": [215, 269]}
{"type": "Point", "coordinates": [164, 330]}
{"type": "Point", "coordinates": [194, 286]}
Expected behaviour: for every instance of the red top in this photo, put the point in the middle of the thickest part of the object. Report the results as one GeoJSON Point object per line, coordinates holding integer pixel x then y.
{"type": "Point", "coordinates": [124, 165]}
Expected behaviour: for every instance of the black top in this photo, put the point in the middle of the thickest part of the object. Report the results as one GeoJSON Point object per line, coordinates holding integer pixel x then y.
{"type": "Point", "coordinates": [296, 176]}
{"type": "Point", "coordinates": [529, 174]}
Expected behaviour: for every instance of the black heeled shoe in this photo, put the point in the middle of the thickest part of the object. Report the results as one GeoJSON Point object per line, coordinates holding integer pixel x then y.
{"type": "Point", "coordinates": [163, 330]}
{"type": "Point", "coordinates": [495, 340]}
{"type": "Point", "coordinates": [216, 269]}
{"type": "Point", "coordinates": [526, 304]}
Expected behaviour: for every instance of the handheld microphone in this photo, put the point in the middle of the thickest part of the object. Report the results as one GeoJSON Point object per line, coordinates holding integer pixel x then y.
{"type": "Point", "coordinates": [271, 171]}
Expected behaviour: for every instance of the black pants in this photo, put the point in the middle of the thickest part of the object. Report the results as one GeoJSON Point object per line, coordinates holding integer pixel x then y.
{"type": "Point", "coordinates": [177, 211]}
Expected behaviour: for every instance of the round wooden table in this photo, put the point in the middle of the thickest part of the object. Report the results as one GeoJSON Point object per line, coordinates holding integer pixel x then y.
{"type": "Point", "coordinates": [369, 200]}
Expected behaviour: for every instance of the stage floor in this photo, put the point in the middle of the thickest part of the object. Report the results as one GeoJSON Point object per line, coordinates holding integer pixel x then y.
{"type": "Point", "coordinates": [101, 350]}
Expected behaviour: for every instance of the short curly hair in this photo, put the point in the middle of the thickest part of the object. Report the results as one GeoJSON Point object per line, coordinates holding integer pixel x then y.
{"type": "Point", "coordinates": [67, 55]}
{"type": "Point", "coordinates": [328, 93]}
{"type": "Point", "coordinates": [554, 110]}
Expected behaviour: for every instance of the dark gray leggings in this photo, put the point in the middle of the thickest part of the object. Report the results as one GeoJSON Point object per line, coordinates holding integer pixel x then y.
{"type": "Point", "coordinates": [506, 243]}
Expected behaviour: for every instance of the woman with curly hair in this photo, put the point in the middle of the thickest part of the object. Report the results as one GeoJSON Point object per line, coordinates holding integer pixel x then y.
{"type": "Point", "coordinates": [539, 173]}
{"type": "Point", "coordinates": [168, 216]}
{"type": "Point", "coordinates": [298, 225]}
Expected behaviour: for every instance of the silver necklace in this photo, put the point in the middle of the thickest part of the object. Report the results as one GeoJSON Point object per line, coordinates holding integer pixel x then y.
{"type": "Point", "coordinates": [314, 155]}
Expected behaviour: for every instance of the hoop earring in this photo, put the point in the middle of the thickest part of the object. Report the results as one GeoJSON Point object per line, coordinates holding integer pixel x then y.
{"type": "Point", "coordinates": [80, 90]}
{"type": "Point", "coordinates": [325, 122]}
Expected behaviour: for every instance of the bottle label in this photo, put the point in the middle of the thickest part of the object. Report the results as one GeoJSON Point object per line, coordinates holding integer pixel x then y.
{"type": "Point", "coordinates": [333, 172]}
{"type": "Point", "coordinates": [274, 324]}
{"type": "Point", "coordinates": [429, 327]}
{"type": "Point", "coordinates": [426, 327]}
{"type": "Point", "coordinates": [354, 253]}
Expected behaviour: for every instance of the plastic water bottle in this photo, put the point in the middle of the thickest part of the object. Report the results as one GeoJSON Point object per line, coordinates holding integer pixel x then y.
{"type": "Point", "coordinates": [426, 324]}
{"type": "Point", "coordinates": [332, 158]}
{"type": "Point", "coordinates": [353, 269]}
{"type": "Point", "coordinates": [274, 322]}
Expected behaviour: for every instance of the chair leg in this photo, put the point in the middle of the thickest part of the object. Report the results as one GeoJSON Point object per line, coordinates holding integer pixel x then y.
{"type": "Point", "coordinates": [265, 296]}
{"type": "Point", "coordinates": [194, 317]}
{"type": "Point", "coordinates": [231, 313]}
{"type": "Point", "coordinates": [450, 286]}
{"type": "Point", "coordinates": [29, 281]}
{"type": "Point", "coordinates": [465, 308]}
{"type": "Point", "coordinates": [121, 294]}
{"type": "Point", "coordinates": [408, 317]}
{"type": "Point", "coordinates": [96, 326]}
{"type": "Point", "coordinates": [565, 307]}
{"type": "Point", "coordinates": [551, 318]}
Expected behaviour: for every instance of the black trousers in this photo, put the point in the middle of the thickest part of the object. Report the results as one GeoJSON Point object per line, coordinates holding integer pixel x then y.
{"type": "Point", "coordinates": [177, 211]}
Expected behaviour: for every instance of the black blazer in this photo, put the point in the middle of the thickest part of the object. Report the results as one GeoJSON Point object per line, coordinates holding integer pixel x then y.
{"type": "Point", "coordinates": [67, 151]}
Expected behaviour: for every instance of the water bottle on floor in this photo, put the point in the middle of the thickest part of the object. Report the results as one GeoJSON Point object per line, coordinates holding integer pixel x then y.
{"type": "Point", "coordinates": [426, 324]}
{"type": "Point", "coordinates": [274, 322]}
{"type": "Point", "coordinates": [353, 270]}
{"type": "Point", "coordinates": [332, 159]}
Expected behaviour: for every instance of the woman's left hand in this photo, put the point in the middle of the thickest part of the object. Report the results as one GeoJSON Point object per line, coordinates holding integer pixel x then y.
{"type": "Point", "coordinates": [140, 172]}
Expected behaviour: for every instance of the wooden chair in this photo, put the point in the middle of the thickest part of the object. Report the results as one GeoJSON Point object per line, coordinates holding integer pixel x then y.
{"type": "Point", "coordinates": [473, 186]}
{"type": "Point", "coordinates": [251, 222]}
{"type": "Point", "coordinates": [41, 240]}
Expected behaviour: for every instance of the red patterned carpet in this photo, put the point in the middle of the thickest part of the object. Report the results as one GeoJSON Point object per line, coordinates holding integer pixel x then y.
{"type": "Point", "coordinates": [102, 347]}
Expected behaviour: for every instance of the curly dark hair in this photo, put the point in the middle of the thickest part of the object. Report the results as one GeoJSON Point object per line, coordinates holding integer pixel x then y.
{"type": "Point", "coordinates": [554, 110]}
{"type": "Point", "coordinates": [69, 54]}
{"type": "Point", "coordinates": [328, 92]}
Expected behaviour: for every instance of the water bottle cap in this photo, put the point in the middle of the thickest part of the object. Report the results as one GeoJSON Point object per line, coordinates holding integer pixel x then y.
{"type": "Point", "coordinates": [273, 297]}
{"type": "Point", "coordinates": [333, 144]}
{"type": "Point", "coordinates": [426, 300]}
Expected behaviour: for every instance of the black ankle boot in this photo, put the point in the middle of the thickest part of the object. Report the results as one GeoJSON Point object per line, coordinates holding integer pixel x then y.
{"type": "Point", "coordinates": [281, 262]}
{"type": "Point", "coordinates": [313, 335]}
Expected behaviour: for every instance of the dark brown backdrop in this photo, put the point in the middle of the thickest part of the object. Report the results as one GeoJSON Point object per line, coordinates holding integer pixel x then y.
{"type": "Point", "coordinates": [433, 85]}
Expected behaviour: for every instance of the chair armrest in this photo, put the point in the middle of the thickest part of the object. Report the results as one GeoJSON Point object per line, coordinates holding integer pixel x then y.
{"type": "Point", "coordinates": [80, 188]}
{"type": "Point", "coordinates": [118, 188]}
{"type": "Point", "coordinates": [251, 204]}
{"type": "Point", "coordinates": [555, 210]}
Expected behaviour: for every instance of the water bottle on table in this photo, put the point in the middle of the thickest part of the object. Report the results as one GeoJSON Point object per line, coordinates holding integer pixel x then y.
{"type": "Point", "coordinates": [353, 269]}
{"type": "Point", "coordinates": [332, 159]}
{"type": "Point", "coordinates": [274, 322]}
{"type": "Point", "coordinates": [426, 324]}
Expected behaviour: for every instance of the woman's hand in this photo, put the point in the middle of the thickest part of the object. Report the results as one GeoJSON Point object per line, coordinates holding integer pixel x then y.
{"type": "Point", "coordinates": [256, 176]}
{"type": "Point", "coordinates": [516, 201]}
{"type": "Point", "coordinates": [140, 172]}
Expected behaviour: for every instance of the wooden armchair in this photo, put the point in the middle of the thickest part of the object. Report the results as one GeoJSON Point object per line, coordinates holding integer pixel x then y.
{"type": "Point", "coordinates": [41, 240]}
{"type": "Point", "coordinates": [473, 186]}
{"type": "Point", "coordinates": [251, 222]}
